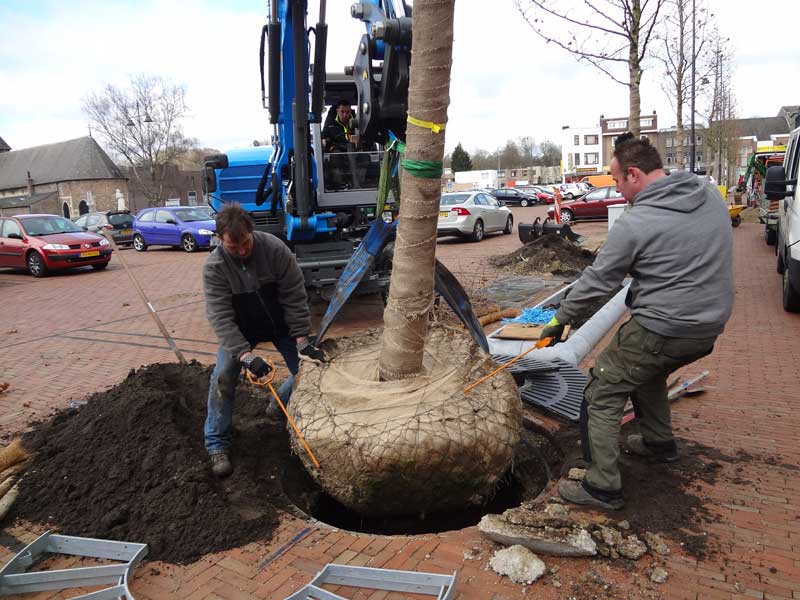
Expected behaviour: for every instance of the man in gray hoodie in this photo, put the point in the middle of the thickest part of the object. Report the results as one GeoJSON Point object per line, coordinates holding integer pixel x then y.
{"type": "Point", "coordinates": [255, 292]}
{"type": "Point", "coordinates": [675, 241]}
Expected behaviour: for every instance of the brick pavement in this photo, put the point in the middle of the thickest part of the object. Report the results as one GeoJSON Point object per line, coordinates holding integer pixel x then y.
{"type": "Point", "coordinates": [78, 325]}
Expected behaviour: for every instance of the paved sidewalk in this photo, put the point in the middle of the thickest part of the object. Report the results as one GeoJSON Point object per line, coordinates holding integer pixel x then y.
{"type": "Point", "coordinates": [748, 410]}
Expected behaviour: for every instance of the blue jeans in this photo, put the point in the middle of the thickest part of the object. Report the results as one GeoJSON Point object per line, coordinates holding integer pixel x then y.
{"type": "Point", "coordinates": [222, 390]}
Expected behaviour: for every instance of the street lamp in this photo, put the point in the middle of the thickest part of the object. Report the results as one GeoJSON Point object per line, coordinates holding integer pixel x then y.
{"type": "Point", "coordinates": [139, 119]}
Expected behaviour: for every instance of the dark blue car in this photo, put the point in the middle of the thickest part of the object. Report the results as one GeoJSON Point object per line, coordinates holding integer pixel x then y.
{"type": "Point", "coordinates": [186, 226]}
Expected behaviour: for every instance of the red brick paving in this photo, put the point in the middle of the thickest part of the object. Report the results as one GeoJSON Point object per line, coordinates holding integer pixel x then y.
{"type": "Point", "coordinates": [69, 335]}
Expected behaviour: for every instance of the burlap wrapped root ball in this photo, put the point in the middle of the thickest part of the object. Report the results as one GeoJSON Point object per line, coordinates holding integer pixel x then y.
{"type": "Point", "coordinates": [413, 446]}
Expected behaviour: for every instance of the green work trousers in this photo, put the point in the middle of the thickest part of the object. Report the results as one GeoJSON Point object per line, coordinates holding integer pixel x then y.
{"type": "Point", "coordinates": [634, 365]}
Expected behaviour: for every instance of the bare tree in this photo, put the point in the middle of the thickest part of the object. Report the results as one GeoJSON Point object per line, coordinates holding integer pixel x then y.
{"type": "Point", "coordinates": [681, 27]}
{"type": "Point", "coordinates": [606, 34]}
{"type": "Point", "coordinates": [142, 125]}
{"type": "Point", "coordinates": [722, 135]}
{"type": "Point", "coordinates": [411, 290]}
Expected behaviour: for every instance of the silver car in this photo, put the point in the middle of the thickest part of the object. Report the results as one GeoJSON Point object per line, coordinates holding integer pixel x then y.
{"type": "Point", "coordinates": [473, 214]}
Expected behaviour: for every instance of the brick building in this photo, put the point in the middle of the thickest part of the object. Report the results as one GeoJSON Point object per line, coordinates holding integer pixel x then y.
{"type": "Point", "coordinates": [65, 178]}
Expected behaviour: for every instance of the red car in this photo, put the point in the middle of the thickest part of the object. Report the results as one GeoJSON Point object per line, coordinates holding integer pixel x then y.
{"type": "Point", "coordinates": [593, 205]}
{"type": "Point", "coordinates": [42, 243]}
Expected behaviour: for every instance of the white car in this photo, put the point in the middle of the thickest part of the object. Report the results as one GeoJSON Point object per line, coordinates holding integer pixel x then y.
{"type": "Point", "coordinates": [781, 187]}
{"type": "Point", "coordinates": [573, 190]}
{"type": "Point", "coordinates": [473, 214]}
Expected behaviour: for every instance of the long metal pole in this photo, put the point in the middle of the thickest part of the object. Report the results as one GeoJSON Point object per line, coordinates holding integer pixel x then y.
{"type": "Point", "coordinates": [694, 59]}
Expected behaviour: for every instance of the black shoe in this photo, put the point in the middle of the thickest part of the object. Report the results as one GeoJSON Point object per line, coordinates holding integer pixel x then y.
{"type": "Point", "coordinates": [274, 411]}
{"type": "Point", "coordinates": [665, 453]}
{"type": "Point", "coordinates": [575, 492]}
{"type": "Point", "coordinates": [221, 464]}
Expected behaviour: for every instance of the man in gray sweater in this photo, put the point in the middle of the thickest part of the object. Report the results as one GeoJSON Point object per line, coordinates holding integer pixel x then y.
{"type": "Point", "coordinates": [675, 241]}
{"type": "Point", "coordinates": [255, 292]}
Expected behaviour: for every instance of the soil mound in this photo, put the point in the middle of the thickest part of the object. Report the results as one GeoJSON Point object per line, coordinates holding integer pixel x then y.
{"type": "Point", "coordinates": [130, 465]}
{"type": "Point", "coordinates": [547, 254]}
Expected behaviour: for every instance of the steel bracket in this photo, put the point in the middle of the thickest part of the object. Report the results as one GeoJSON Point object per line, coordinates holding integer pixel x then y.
{"type": "Point", "coordinates": [15, 580]}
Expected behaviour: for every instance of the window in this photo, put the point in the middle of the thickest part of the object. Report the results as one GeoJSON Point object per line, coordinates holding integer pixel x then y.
{"type": "Point", "coordinates": [685, 141]}
{"type": "Point", "coordinates": [669, 159]}
{"type": "Point", "coordinates": [192, 198]}
{"type": "Point", "coordinates": [576, 140]}
{"type": "Point", "coordinates": [669, 142]}
{"type": "Point", "coordinates": [646, 122]}
{"type": "Point", "coordinates": [162, 216]}
{"type": "Point", "coordinates": [93, 220]}
{"type": "Point", "coordinates": [577, 158]}
{"type": "Point", "coordinates": [81, 222]}
{"type": "Point", "coordinates": [513, 173]}
{"type": "Point", "coordinates": [147, 217]}
{"type": "Point", "coordinates": [643, 137]}
{"type": "Point", "coordinates": [699, 158]}
{"type": "Point", "coordinates": [591, 158]}
{"type": "Point", "coordinates": [620, 124]}
{"type": "Point", "coordinates": [699, 140]}
{"type": "Point", "coordinates": [590, 140]}
{"type": "Point", "coordinates": [614, 140]}
{"type": "Point", "coordinates": [8, 226]}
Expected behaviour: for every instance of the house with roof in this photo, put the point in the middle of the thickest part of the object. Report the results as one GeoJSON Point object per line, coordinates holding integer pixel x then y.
{"type": "Point", "coordinates": [67, 178]}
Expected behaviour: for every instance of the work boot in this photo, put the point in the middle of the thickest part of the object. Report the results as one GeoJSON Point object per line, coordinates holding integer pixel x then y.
{"type": "Point", "coordinates": [666, 452]}
{"type": "Point", "coordinates": [274, 412]}
{"type": "Point", "coordinates": [221, 464]}
{"type": "Point", "coordinates": [576, 492]}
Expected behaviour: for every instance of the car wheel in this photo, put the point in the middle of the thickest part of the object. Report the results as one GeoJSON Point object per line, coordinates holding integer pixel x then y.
{"type": "Point", "coordinates": [139, 243]}
{"type": "Point", "coordinates": [736, 221]}
{"type": "Point", "coordinates": [523, 202]}
{"type": "Point", "coordinates": [189, 243]}
{"type": "Point", "coordinates": [100, 266]}
{"type": "Point", "coordinates": [509, 225]}
{"type": "Point", "coordinates": [780, 265]}
{"type": "Point", "coordinates": [569, 196]}
{"type": "Point", "coordinates": [791, 299]}
{"type": "Point", "coordinates": [36, 266]}
{"type": "Point", "coordinates": [567, 216]}
{"type": "Point", "coordinates": [477, 231]}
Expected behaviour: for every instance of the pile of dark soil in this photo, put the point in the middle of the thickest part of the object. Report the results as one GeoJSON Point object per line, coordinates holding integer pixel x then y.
{"type": "Point", "coordinates": [663, 498]}
{"type": "Point", "coordinates": [130, 465]}
{"type": "Point", "coordinates": [548, 254]}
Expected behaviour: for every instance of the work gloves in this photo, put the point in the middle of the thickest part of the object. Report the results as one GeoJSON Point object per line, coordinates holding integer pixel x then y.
{"type": "Point", "coordinates": [257, 366]}
{"type": "Point", "coordinates": [311, 353]}
{"type": "Point", "coordinates": [554, 330]}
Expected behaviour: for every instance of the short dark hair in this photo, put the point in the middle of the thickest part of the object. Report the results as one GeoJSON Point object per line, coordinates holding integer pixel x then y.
{"type": "Point", "coordinates": [631, 151]}
{"type": "Point", "coordinates": [235, 221]}
{"type": "Point", "coordinates": [342, 102]}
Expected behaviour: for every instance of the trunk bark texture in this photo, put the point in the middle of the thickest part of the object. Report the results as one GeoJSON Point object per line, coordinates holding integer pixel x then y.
{"type": "Point", "coordinates": [635, 70]}
{"type": "Point", "coordinates": [411, 291]}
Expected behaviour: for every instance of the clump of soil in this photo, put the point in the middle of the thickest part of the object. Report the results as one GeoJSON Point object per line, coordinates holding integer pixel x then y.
{"type": "Point", "coordinates": [548, 254]}
{"type": "Point", "coordinates": [131, 465]}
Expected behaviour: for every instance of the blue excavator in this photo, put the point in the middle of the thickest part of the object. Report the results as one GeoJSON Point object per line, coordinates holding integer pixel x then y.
{"type": "Point", "coordinates": [322, 204]}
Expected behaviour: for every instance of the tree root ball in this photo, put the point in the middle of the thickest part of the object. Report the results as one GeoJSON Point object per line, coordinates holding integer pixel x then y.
{"type": "Point", "coordinates": [414, 446]}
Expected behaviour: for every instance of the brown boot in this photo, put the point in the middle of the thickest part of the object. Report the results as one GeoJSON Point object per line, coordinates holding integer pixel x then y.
{"type": "Point", "coordinates": [221, 464]}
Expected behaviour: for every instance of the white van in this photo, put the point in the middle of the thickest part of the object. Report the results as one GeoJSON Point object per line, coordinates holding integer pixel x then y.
{"type": "Point", "coordinates": [781, 184]}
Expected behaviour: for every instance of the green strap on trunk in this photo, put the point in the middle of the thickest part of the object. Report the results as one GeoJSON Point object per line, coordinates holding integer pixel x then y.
{"type": "Point", "coordinates": [423, 169]}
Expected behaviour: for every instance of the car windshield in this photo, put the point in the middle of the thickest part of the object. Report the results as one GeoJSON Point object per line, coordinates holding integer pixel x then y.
{"type": "Point", "coordinates": [120, 219]}
{"type": "Point", "coordinates": [451, 199]}
{"type": "Point", "coordinates": [38, 226]}
{"type": "Point", "coordinates": [191, 214]}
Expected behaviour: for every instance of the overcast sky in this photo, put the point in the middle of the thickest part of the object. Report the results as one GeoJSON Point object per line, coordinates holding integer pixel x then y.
{"type": "Point", "coordinates": [506, 82]}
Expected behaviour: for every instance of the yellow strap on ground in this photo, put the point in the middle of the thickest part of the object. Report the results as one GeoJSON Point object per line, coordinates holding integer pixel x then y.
{"type": "Point", "coordinates": [434, 127]}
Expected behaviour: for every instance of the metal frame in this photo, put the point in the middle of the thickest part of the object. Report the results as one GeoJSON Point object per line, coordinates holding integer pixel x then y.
{"type": "Point", "coordinates": [443, 587]}
{"type": "Point", "coordinates": [14, 579]}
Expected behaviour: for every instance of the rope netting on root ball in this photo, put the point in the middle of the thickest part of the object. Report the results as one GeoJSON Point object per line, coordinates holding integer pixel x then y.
{"type": "Point", "coordinates": [411, 446]}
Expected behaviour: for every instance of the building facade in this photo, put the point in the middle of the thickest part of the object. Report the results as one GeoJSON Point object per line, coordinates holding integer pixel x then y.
{"type": "Point", "coordinates": [581, 152]}
{"type": "Point", "coordinates": [66, 178]}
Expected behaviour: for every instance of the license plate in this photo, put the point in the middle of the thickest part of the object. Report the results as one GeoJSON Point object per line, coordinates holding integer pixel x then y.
{"type": "Point", "coordinates": [92, 253]}
{"type": "Point", "coordinates": [126, 231]}
{"type": "Point", "coordinates": [444, 214]}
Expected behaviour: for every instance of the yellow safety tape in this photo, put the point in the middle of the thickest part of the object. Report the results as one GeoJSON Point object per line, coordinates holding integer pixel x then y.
{"type": "Point", "coordinates": [434, 127]}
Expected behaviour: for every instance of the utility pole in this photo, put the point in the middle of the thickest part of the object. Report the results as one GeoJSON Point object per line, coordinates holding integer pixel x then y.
{"type": "Point", "coordinates": [693, 141]}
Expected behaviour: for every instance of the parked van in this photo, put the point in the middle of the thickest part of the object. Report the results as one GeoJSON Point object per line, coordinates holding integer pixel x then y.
{"type": "Point", "coordinates": [780, 186]}
{"type": "Point", "coordinates": [598, 180]}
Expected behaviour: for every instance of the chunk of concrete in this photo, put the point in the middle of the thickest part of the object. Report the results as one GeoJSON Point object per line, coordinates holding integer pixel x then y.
{"type": "Point", "coordinates": [576, 474]}
{"type": "Point", "coordinates": [518, 563]}
{"type": "Point", "coordinates": [658, 575]}
{"type": "Point", "coordinates": [631, 547]}
{"type": "Point", "coordinates": [656, 543]}
{"type": "Point", "coordinates": [555, 541]}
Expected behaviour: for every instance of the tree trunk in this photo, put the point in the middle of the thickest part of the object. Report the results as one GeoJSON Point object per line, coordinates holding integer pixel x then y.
{"type": "Point", "coordinates": [680, 153]}
{"type": "Point", "coordinates": [411, 291]}
{"type": "Point", "coordinates": [634, 69]}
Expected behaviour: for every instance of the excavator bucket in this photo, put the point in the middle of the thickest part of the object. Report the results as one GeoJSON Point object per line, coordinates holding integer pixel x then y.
{"type": "Point", "coordinates": [528, 233]}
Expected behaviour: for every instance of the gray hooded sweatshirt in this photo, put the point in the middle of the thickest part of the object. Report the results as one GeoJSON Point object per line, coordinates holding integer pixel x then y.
{"type": "Point", "coordinates": [676, 243]}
